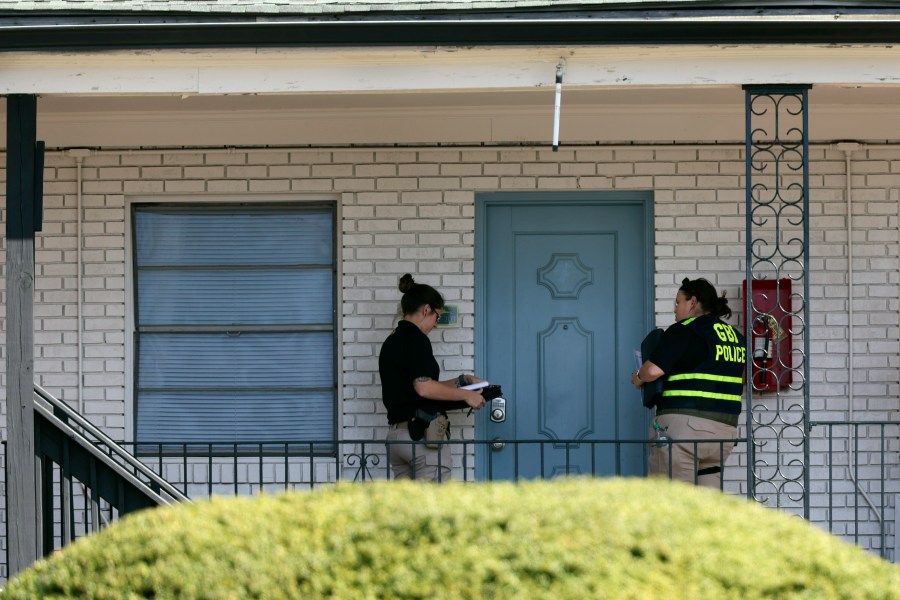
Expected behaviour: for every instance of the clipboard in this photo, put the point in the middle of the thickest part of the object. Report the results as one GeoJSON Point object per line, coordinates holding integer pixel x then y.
{"type": "Point", "coordinates": [651, 391]}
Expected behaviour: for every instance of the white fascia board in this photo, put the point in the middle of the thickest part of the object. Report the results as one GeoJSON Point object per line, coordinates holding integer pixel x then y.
{"type": "Point", "coordinates": [301, 70]}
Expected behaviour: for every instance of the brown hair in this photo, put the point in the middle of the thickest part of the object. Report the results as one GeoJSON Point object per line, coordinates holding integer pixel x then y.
{"type": "Point", "coordinates": [416, 295]}
{"type": "Point", "coordinates": [706, 295]}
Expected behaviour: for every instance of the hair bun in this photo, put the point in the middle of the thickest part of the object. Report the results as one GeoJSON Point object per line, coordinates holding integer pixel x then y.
{"type": "Point", "coordinates": [406, 283]}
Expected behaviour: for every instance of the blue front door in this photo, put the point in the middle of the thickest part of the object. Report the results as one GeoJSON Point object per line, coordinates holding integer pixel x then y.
{"type": "Point", "coordinates": [562, 303]}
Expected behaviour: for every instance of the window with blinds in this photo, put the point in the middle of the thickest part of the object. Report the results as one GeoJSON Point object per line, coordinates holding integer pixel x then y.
{"type": "Point", "coordinates": [235, 323]}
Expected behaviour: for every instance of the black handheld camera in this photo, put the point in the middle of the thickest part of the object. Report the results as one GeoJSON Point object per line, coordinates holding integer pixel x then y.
{"type": "Point", "coordinates": [493, 395]}
{"type": "Point", "coordinates": [490, 392]}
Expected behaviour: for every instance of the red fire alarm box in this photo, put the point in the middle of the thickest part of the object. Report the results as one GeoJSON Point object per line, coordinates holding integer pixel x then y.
{"type": "Point", "coordinates": [769, 334]}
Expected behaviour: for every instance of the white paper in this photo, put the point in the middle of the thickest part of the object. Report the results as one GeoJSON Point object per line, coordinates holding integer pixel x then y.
{"type": "Point", "coordinates": [638, 362]}
{"type": "Point", "coordinates": [475, 386]}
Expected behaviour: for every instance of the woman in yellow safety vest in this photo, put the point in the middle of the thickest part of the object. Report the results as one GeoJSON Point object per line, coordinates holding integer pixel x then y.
{"type": "Point", "coordinates": [703, 361]}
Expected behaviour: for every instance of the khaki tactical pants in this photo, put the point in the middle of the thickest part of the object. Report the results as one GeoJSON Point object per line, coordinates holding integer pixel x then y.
{"type": "Point", "coordinates": [692, 462]}
{"type": "Point", "coordinates": [412, 460]}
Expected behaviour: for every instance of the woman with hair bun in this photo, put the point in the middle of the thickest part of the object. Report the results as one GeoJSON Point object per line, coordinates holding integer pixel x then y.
{"type": "Point", "coordinates": [703, 360]}
{"type": "Point", "coordinates": [411, 388]}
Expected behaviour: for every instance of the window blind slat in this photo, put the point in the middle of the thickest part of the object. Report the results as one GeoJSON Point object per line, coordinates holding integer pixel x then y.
{"type": "Point", "coordinates": [211, 417]}
{"type": "Point", "coordinates": [248, 360]}
{"type": "Point", "coordinates": [200, 236]}
{"type": "Point", "coordinates": [204, 297]}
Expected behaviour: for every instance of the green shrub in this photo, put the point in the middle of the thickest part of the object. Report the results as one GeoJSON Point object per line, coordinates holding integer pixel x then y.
{"type": "Point", "coordinates": [575, 538]}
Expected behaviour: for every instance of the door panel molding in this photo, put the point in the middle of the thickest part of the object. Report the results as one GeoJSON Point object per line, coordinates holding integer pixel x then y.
{"type": "Point", "coordinates": [552, 376]}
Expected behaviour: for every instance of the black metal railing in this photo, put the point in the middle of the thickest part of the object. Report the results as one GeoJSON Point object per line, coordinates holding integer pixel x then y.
{"type": "Point", "coordinates": [4, 540]}
{"type": "Point", "coordinates": [859, 464]}
{"type": "Point", "coordinates": [76, 427]}
{"type": "Point", "coordinates": [83, 480]}
{"type": "Point", "coordinates": [855, 471]}
{"type": "Point", "coordinates": [200, 470]}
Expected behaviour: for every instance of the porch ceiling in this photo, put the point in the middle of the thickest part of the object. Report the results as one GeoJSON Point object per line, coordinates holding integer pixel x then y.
{"type": "Point", "coordinates": [505, 99]}
{"type": "Point", "coordinates": [682, 114]}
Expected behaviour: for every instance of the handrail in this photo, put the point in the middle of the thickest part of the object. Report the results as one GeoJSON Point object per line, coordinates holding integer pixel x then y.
{"type": "Point", "coordinates": [97, 453]}
{"type": "Point", "coordinates": [879, 516]}
{"type": "Point", "coordinates": [115, 449]}
{"type": "Point", "coordinates": [813, 424]}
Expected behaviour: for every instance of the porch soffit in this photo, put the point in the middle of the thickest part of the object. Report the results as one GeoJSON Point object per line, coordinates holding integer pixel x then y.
{"type": "Point", "coordinates": [608, 116]}
{"type": "Point", "coordinates": [432, 69]}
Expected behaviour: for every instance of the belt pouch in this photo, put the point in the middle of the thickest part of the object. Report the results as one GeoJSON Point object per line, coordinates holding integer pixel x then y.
{"type": "Point", "coordinates": [417, 427]}
{"type": "Point", "coordinates": [438, 431]}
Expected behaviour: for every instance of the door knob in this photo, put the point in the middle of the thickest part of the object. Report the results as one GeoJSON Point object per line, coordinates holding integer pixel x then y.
{"type": "Point", "coordinates": [498, 444]}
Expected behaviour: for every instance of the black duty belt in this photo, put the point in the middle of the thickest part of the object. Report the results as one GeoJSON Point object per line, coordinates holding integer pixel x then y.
{"type": "Point", "coordinates": [719, 417]}
{"type": "Point", "coordinates": [709, 471]}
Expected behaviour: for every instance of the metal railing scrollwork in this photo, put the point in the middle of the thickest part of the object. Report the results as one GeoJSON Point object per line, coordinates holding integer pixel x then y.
{"type": "Point", "coordinates": [777, 286]}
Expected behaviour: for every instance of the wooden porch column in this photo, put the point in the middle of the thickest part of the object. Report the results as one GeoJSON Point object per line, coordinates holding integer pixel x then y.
{"type": "Point", "coordinates": [21, 129]}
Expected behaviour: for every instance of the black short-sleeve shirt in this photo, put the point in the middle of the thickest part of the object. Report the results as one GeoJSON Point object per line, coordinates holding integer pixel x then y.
{"type": "Point", "coordinates": [679, 350]}
{"type": "Point", "coordinates": [406, 355]}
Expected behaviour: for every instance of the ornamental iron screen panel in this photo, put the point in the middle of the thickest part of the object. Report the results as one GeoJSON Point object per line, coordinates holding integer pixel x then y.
{"type": "Point", "coordinates": [777, 286]}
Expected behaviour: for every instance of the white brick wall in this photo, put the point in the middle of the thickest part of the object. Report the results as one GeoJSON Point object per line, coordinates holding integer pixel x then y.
{"type": "Point", "coordinates": [412, 210]}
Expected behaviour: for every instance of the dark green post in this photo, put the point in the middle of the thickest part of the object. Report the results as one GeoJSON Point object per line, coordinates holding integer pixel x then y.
{"type": "Point", "coordinates": [21, 497]}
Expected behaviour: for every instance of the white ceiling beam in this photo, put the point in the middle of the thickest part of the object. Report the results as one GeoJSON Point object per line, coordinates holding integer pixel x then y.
{"type": "Point", "coordinates": [342, 70]}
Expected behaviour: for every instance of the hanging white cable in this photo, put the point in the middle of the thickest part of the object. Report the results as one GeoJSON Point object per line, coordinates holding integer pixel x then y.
{"type": "Point", "coordinates": [848, 148]}
{"type": "Point", "coordinates": [79, 155]}
{"type": "Point", "coordinates": [78, 285]}
{"type": "Point", "coordinates": [557, 106]}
